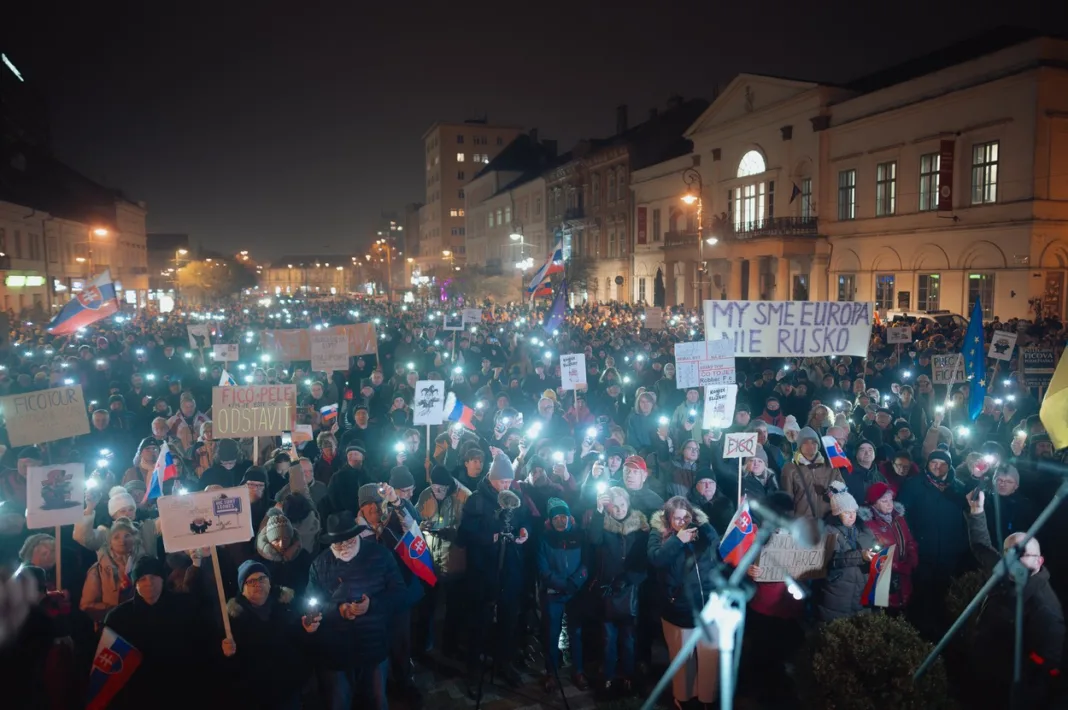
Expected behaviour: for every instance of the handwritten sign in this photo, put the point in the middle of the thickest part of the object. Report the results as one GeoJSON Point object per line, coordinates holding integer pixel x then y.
{"type": "Point", "coordinates": [302, 433]}
{"type": "Point", "coordinates": [225, 353]}
{"type": "Point", "coordinates": [654, 318]}
{"type": "Point", "coordinates": [1001, 345]}
{"type": "Point", "coordinates": [703, 363]}
{"type": "Point", "coordinates": [1038, 366]}
{"type": "Point", "coordinates": [290, 345]}
{"type": "Point", "coordinates": [329, 352]}
{"type": "Point", "coordinates": [947, 369]}
{"type": "Point", "coordinates": [719, 406]}
{"type": "Point", "coordinates": [572, 370]}
{"type": "Point", "coordinates": [46, 415]}
{"type": "Point", "coordinates": [55, 495]}
{"type": "Point", "coordinates": [199, 336]}
{"type": "Point", "coordinates": [253, 410]}
{"type": "Point", "coordinates": [740, 445]}
{"type": "Point", "coordinates": [193, 520]}
{"type": "Point", "coordinates": [791, 328]}
{"type": "Point", "coordinates": [899, 334]}
{"type": "Point", "coordinates": [472, 316]}
{"type": "Point", "coordinates": [782, 556]}
{"type": "Point", "coordinates": [429, 400]}
{"type": "Point", "coordinates": [452, 321]}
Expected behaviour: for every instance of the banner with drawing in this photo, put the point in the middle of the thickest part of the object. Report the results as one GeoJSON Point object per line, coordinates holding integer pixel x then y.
{"type": "Point", "coordinates": [55, 495]}
{"type": "Point", "coordinates": [219, 517]}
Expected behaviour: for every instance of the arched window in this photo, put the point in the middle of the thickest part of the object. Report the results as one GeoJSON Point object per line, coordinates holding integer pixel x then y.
{"type": "Point", "coordinates": [752, 204]}
{"type": "Point", "coordinates": [752, 163]}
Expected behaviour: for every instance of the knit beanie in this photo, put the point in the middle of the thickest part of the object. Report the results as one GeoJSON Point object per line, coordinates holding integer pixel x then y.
{"type": "Point", "coordinates": [401, 477]}
{"type": "Point", "coordinates": [249, 568]}
{"type": "Point", "coordinates": [501, 469]}
{"type": "Point", "coordinates": [119, 498]}
{"type": "Point", "coordinates": [149, 565]}
{"type": "Point", "coordinates": [369, 494]}
{"type": "Point", "coordinates": [226, 450]}
{"type": "Point", "coordinates": [277, 526]}
{"type": "Point", "coordinates": [791, 424]}
{"type": "Point", "coordinates": [558, 506]}
{"type": "Point", "coordinates": [296, 507]}
{"type": "Point", "coordinates": [842, 501]}
{"type": "Point", "coordinates": [254, 474]}
{"type": "Point", "coordinates": [940, 455]}
{"type": "Point", "coordinates": [808, 433]}
{"type": "Point", "coordinates": [876, 491]}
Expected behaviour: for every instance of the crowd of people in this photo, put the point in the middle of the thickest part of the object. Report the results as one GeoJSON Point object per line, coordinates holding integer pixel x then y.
{"type": "Point", "coordinates": [592, 515]}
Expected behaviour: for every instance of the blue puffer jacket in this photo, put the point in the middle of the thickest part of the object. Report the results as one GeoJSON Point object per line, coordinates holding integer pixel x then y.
{"type": "Point", "coordinates": [561, 569]}
{"type": "Point", "coordinates": [683, 572]}
{"type": "Point", "coordinates": [341, 644]}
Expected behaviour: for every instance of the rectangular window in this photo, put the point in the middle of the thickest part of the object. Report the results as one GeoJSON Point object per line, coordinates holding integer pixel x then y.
{"type": "Point", "coordinates": [806, 198]}
{"type": "Point", "coordinates": [770, 213]}
{"type": "Point", "coordinates": [461, 194]}
{"type": "Point", "coordinates": [656, 225]}
{"type": "Point", "coordinates": [459, 174]}
{"type": "Point", "coordinates": [641, 290]}
{"type": "Point", "coordinates": [500, 140]}
{"type": "Point", "coordinates": [460, 212]}
{"type": "Point", "coordinates": [508, 214]}
{"type": "Point", "coordinates": [537, 207]}
{"type": "Point", "coordinates": [884, 291]}
{"type": "Point", "coordinates": [611, 187]}
{"type": "Point", "coordinates": [981, 288]}
{"type": "Point", "coordinates": [53, 257]}
{"type": "Point", "coordinates": [847, 194]}
{"type": "Point", "coordinates": [928, 294]}
{"type": "Point", "coordinates": [611, 242]}
{"type": "Point", "coordinates": [885, 188]}
{"type": "Point", "coordinates": [459, 140]}
{"type": "Point", "coordinates": [491, 218]}
{"type": "Point", "coordinates": [595, 189]}
{"type": "Point", "coordinates": [18, 244]}
{"type": "Point", "coordinates": [847, 287]}
{"type": "Point", "coordinates": [984, 173]}
{"type": "Point", "coordinates": [500, 216]}
{"type": "Point", "coordinates": [485, 158]}
{"type": "Point", "coordinates": [453, 213]}
{"type": "Point", "coordinates": [459, 157]}
{"type": "Point", "coordinates": [929, 166]}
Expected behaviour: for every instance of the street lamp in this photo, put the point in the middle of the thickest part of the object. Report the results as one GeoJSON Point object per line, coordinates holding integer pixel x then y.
{"type": "Point", "coordinates": [694, 195]}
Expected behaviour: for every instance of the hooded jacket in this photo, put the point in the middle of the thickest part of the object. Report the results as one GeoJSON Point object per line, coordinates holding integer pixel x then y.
{"type": "Point", "coordinates": [934, 517]}
{"type": "Point", "coordinates": [807, 482]}
{"type": "Point", "coordinates": [561, 569]}
{"type": "Point", "coordinates": [482, 519]}
{"type": "Point", "coordinates": [683, 572]}
{"type": "Point", "coordinates": [847, 573]}
{"type": "Point", "coordinates": [288, 568]}
{"type": "Point", "coordinates": [620, 549]}
{"type": "Point", "coordinates": [906, 554]}
{"type": "Point", "coordinates": [262, 637]}
{"type": "Point", "coordinates": [442, 520]}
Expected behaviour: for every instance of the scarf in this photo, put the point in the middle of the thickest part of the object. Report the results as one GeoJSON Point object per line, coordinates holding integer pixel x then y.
{"type": "Point", "coordinates": [262, 612]}
{"type": "Point", "coordinates": [940, 484]}
{"type": "Point", "coordinates": [885, 517]}
{"type": "Point", "coordinates": [802, 461]}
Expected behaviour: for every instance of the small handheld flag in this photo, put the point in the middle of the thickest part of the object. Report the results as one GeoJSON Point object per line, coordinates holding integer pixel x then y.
{"type": "Point", "coordinates": [837, 458]}
{"type": "Point", "coordinates": [457, 411]}
{"type": "Point", "coordinates": [95, 302]}
{"type": "Point", "coordinates": [164, 470]}
{"type": "Point", "coordinates": [115, 661]}
{"type": "Point", "coordinates": [877, 590]}
{"type": "Point", "coordinates": [414, 553]}
{"type": "Point", "coordinates": [328, 414]}
{"type": "Point", "coordinates": [740, 535]}
{"type": "Point", "coordinates": [226, 379]}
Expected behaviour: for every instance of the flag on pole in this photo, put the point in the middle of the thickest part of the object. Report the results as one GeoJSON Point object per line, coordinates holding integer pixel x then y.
{"type": "Point", "coordinates": [115, 661]}
{"type": "Point", "coordinates": [795, 193]}
{"type": "Point", "coordinates": [227, 380]}
{"type": "Point", "coordinates": [553, 265]}
{"type": "Point", "coordinates": [837, 458]}
{"type": "Point", "coordinates": [974, 354]}
{"type": "Point", "coordinates": [164, 470]}
{"type": "Point", "coordinates": [414, 553]}
{"type": "Point", "coordinates": [558, 311]}
{"type": "Point", "coordinates": [740, 535]}
{"type": "Point", "coordinates": [877, 590]}
{"type": "Point", "coordinates": [95, 302]}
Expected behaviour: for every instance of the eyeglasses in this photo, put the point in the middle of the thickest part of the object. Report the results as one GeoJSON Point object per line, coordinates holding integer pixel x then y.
{"type": "Point", "coordinates": [257, 581]}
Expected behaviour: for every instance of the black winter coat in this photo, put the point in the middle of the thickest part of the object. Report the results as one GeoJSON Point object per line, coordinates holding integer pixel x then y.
{"type": "Point", "coordinates": [288, 568]}
{"type": "Point", "coordinates": [261, 642]}
{"type": "Point", "coordinates": [934, 517]}
{"type": "Point", "coordinates": [683, 572]}
{"type": "Point", "coordinates": [619, 549]}
{"type": "Point", "coordinates": [482, 520]}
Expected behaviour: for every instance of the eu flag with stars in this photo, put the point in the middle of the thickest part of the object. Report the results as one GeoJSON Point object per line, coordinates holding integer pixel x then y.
{"type": "Point", "coordinates": [974, 352]}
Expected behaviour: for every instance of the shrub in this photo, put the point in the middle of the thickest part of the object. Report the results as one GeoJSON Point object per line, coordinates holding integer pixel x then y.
{"type": "Point", "coordinates": [866, 662]}
{"type": "Point", "coordinates": [961, 591]}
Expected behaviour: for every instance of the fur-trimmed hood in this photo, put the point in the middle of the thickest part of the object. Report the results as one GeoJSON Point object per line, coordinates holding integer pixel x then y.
{"type": "Point", "coordinates": [267, 551]}
{"type": "Point", "coordinates": [234, 608]}
{"type": "Point", "coordinates": [662, 526]}
{"type": "Point", "coordinates": [865, 512]}
{"type": "Point", "coordinates": [634, 522]}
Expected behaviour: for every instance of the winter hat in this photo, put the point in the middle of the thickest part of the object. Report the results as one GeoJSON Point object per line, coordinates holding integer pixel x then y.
{"type": "Point", "coordinates": [137, 489]}
{"type": "Point", "coordinates": [369, 494]}
{"type": "Point", "coordinates": [254, 474]}
{"type": "Point", "coordinates": [558, 506]}
{"type": "Point", "coordinates": [149, 565]}
{"type": "Point", "coordinates": [30, 452]}
{"type": "Point", "coordinates": [440, 476]}
{"type": "Point", "coordinates": [901, 424]}
{"type": "Point", "coordinates": [940, 455]}
{"type": "Point", "coordinates": [876, 491]}
{"type": "Point", "coordinates": [226, 450]}
{"type": "Point", "coordinates": [760, 454]}
{"type": "Point", "coordinates": [401, 477]}
{"type": "Point", "coordinates": [249, 568]}
{"type": "Point", "coordinates": [296, 507]}
{"type": "Point", "coordinates": [277, 526]}
{"type": "Point", "coordinates": [501, 469]}
{"type": "Point", "coordinates": [119, 498]}
{"type": "Point", "coordinates": [791, 424]}
{"type": "Point", "coordinates": [808, 433]}
{"type": "Point", "coordinates": [866, 442]}
{"type": "Point", "coordinates": [636, 462]}
{"type": "Point", "coordinates": [842, 501]}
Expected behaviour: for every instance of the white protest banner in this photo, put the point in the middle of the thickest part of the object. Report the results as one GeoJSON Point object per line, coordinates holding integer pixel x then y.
{"type": "Point", "coordinates": [899, 334]}
{"type": "Point", "coordinates": [45, 415]}
{"type": "Point", "coordinates": [1001, 345]}
{"type": "Point", "coordinates": [302, 433]}
{"type": "Point", "coordinates": [472, 316]}
{"type": "Point", "coordinates": [654, 318]}
{"type": "Point", "coordinates": [719, 406]}
{"type": "Point", "coordinates": [429, 402]}
{"type": "Point", "coordinates": [782, 556]}
{"type": "Point", "coordinates": [453, 321]}
{"type": "Point", "coordinates": [1038, 366]}
{"type": "Point", "coordinates": [791, 328]}
{"type": "Point", "coordinates": [718, 368]}
{"type": "Point", "coordinates": [199, 336]}
{"type": "Point", "coordinates": [207, 518]}
{"type": "Point", "coordinates": [572, 370]}
{"type": "Point", "coordinates": [697, 350]}
{"type": "Point", "coordinates": [253, 410]}
{"type": "Point", "coordinates": [225, 353]}
{"type": "Point", "coordinates": [687, 357]}
{"type": "Point", "coordinates": [947, 369]}
{"type": "Point", "coordinates": [329, 352]}
{"type": "Point", "coordinates": [740, 445]}
{"type": "Point", "coordinates": [55, 495]}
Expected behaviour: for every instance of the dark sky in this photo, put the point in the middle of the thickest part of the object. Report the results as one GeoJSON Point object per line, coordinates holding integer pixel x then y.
{"type": "Point", "coordinates": [290, 130]}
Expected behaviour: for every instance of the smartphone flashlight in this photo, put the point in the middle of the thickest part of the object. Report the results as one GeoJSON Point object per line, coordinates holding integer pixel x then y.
{"type": "Point", "coordinates": [558, 457]}
{"type": "Point", "coordinates": [663, 421]}
{"type": "Point", "coordinates": [602, 486]}
{"type": "Point", "coordinates": [591, 433]}
{"type": "Point", "coordinates": [398, 447]}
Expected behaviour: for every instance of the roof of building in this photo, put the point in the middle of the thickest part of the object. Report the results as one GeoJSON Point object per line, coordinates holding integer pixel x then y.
{"type": "Point", "coordinates": [470, 122]}
{"type": "Point", "coordinates": [525, 155]}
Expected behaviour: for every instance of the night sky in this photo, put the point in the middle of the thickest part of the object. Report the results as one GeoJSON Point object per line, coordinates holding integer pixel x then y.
{"type": "Point", "coordinates": [289, 131]}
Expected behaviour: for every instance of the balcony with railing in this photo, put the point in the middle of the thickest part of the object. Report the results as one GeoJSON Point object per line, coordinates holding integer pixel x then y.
{"type": "Point", "coordinates": [574, 213]}
{"type": "Point", "coordinates": [680, 239]}
{"type": "Point", "coordinates": [772, 227]}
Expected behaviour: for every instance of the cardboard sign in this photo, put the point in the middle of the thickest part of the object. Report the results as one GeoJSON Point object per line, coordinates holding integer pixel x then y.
{"type": "Point", "coordinates": [572, 370]}
{"type": "Point", "coordinates": [703, 363]}
{"type": "Point", "coordinates": [947, 369]}
{"type": "Point", "coordinates": [55, 495]}
{"type": "Point", "coordinates": [429, 402]}
{"type": "Point", "coordinates": [302, 433]}
{"type": "Point", "coordinates": [253, 410]}
{"type": "Point", "coordinates": [1002, 344]}
{"type": "Point", "coordinates": [654, 318]}
{"type": "Point", "coordinates": [899, 334]}
{"type": "Point", "coordinates": [45, 415]}
{"type": "Point", "coordinates": [452, 321]}
{"type": "Point", "coordinates": [472, 316]}
{"type": "Point", "coordinates": [719, 406]}
{"type": "Point", "coordinates": [782, 556]}
{"type": "Point", "coordinates": [291, 345]}
{"type": "Point", "coordinates": [329, 352]}
{"type": "Point", "coordinates": [740, 445]}
{"type": "Point", "coordinates": [1038, 365]}
{"type": "Point", "coordinates": [199, 336]}
{"type": "Point", "coordinates": [225, 353]}
{"type": "Point", "coordinates": [791, 328]}
{"type": "Point", "coordinates": [193, 520]}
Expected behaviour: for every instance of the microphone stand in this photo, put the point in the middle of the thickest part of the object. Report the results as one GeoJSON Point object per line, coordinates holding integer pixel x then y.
{"type": "Point", "coordinates": [1010, 564]}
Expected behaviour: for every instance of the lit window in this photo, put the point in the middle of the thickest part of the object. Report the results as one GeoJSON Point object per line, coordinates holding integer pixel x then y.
{"type": "Point", "coordinates": [847, 194]}
{"type": "Point", "coordinates": [752, 163]}
{"type": "Point", "coordinates": [847, 287]}
{"type": "Point", "coordinates": [508, 214]}
{"type": "Point", "coordinates": [500, 216]}
{"type": "Point", "coordinates": [885, 189]}
{"type": "Point", "coordinates": [453, 213]}
{"type": "Point", "coordinates": [459, 157]}
{"type": "Point", "coordinates": [460, 212]}
{"type": "Point", "coordinates": [929, 295]}
{"type": "Point", "coordinates": [981, 289]}
{"type": "Point", "coordinates": [485, 158]}
{"type": "Point", "coordinates": [491, 218]}
{"type": "Point", "coordinates": [985, 173]}
{"type": "Point", "coordinates": [929, 166]}
{"type": "Point", "coordinates": [884, 291]}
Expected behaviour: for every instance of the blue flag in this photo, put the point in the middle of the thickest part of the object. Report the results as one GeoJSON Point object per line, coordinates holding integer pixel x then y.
{"type": "Point", "coordinates": [558, 311]}
{"type": "Point", "coordinates": [974, 352]}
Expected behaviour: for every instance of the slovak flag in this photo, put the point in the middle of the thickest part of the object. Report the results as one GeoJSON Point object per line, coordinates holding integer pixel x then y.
{"type": "Point", "coordinates": [414, 553]}
{"type": "Point", "coordinates": [226, 379]}
{"type": "Point", "coordinates": [837, 458]}
{"type": "Point", "coordinates": [328, 414]}
{"type": "Point", "coordinates": [115, 661]}
{"type": "Point", "coordinates": [740, 535]}
{"type": "Point", "coordinates": [553, 265]}
{"type": "Point", "coordinates": [877, 590]}
{"type": "Point", "coordinates": [457, 411]}
{"type": "Point", "coordinates": [96, 302]}
{"type": "Point", "coordinates": [165, 470]}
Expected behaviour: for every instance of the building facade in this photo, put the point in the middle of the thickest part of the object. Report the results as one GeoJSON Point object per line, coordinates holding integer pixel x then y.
{"type": "Point", "coordinates": [322, 275]}
{"type": "Point", "coordinates": [659, 214]}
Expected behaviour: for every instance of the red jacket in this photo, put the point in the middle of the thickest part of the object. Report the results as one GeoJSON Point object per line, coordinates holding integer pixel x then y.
{"type": "Point", "coordinates": [892, 479]}
{"type": "Point", "coordinates": [906, 554]}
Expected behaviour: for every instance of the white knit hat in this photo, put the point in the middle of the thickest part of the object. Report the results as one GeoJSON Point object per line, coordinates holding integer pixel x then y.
{"type": "Point", "coordinates": [119, 498]}
{"type": "Point", "coordinates": [842, 501]}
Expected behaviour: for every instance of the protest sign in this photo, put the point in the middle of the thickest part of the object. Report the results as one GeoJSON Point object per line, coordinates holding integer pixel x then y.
{"type": "Point", "coordinates": [740, 445]}
{"type": "Point", "coordinates": [289, 345]}
{"type": "Point", "coordinates": [899, 334]}
{"type": "Point", "coordinates": [1002, 344]}
{"type": "Point", "coordinates": [654, 318]}
{"type": "Point", "coordinates": [253, 410]}
{"type": "Point", "coordinates": [572, 370]}
{"type": "Point", "coordinates": [329, 352]}
{"type": "Point", "coordinates": [302, 433]}
{"type": "Point", "coordinates": [199, 336]}
{"type": "Point", "coordinates": [45, 415]}
{"type": "Point", "coordinates": [225, 353]}
{"type": "Point", "coordinates": [719, 406]}
{"type": "Point", "coordinates": [453, 321]}
{"type": "Point", "coordinates": [207, 518]}
{"type": "Point", "coordinates": [782, 556]}
{"type": "Point", "coordinates": [947, 369]}
{"type": "Point", "coordinates": [718, 368]}
{"type": "Point", "coordinates": [472, 316]}
{"type": "Point", "coordinates": [791, 328]}
{"type": "Point", "coordinates": [429, 402]}
{"type": "Point", "coordinates": [55, 495]}
{"type": "Point", "coordinates": [1038, 365]}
